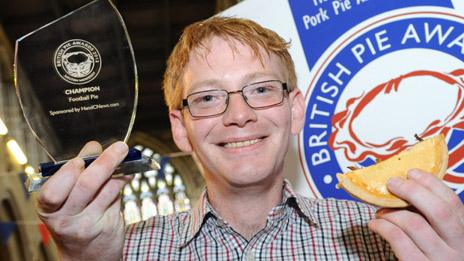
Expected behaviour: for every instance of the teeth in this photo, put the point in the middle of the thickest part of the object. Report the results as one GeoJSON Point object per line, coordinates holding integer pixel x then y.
{"type": "Point", "coordinates": [241, 143]}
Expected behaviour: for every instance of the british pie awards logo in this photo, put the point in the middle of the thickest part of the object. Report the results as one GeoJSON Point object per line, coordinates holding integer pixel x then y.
{"type": "Point", "coordinates": [392, 77]}
{"type": "Point", "coordinates": [77, 61]}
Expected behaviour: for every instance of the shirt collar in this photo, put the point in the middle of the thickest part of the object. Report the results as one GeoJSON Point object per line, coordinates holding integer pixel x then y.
{"type": "Point", "coordinates": [303, 204]}
{"type": "Point", "coordinates": [203, 210]}
{"type": "Point", "coordinates": [199, 213]}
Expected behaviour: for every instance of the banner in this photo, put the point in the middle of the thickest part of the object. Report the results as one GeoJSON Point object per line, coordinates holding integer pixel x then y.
{"type": "Point", "coordinates": [44, 234]}
{"type": "Point", "coordinates": [374, 73]}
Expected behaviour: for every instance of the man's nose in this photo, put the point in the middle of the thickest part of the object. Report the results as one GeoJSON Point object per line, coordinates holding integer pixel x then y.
{"type": "Point", "coordinates": [238, 112]}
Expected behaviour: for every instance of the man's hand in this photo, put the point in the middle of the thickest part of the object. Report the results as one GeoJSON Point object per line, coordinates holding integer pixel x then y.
{"type": "Point", "coordinates": [81, 206]}
{"type": "Point", "coordinates": [434, 230]}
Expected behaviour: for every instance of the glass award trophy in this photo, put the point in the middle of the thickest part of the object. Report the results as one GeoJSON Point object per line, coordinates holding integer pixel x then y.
{"type": "Point", "coordinates": [76, 80]}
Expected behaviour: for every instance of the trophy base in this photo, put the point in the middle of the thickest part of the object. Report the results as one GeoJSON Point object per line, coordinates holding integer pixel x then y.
{"type": "Point", "coordinates": [133, 163]}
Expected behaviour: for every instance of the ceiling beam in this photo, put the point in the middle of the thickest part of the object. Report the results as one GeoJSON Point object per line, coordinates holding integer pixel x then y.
{"type": "Point", "coordinates": [6, 56]}
{"type": "Point", "coordinates": [222, 5]}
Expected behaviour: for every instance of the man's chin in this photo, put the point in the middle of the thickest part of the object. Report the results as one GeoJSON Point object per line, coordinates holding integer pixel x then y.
{"type": "Point", "coordinates": [250, 177]}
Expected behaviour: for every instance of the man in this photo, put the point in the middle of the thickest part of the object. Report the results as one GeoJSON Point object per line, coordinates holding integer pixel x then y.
{"type": "Point", "coordinates": [233, 101]}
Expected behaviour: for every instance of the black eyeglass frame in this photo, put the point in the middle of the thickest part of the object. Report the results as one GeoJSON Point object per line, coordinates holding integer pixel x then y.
{"type": "Point", "coordinates": [284, 89]}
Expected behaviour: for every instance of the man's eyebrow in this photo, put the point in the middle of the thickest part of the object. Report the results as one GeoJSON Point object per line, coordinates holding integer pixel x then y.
{"type": "Point", "coordinates": [260, 74]}
{"type": "Point", "coordinates": [247, 79]}
{"type": "Point", "coordinates": [200, 84]}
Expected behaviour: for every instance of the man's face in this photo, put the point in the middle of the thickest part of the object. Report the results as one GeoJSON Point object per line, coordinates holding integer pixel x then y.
{"type": "Point", "coordinates": [243, 146]}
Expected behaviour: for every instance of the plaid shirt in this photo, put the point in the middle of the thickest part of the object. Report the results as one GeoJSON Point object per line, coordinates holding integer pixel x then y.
{"type": "Point", "coordinates": [297, 229]}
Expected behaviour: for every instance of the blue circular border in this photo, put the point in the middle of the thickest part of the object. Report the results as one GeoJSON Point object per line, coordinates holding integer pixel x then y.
{"type": "Point", "coordinates": [395, 31]}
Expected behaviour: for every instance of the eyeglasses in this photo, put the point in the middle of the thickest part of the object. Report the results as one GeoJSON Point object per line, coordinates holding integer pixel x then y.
{"type": "Point", "coordinates": [259, 95]}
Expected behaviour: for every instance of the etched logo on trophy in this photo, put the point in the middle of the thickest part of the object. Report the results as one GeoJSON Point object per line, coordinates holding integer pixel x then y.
{"type": "Point", "coordinates": [77, 61]}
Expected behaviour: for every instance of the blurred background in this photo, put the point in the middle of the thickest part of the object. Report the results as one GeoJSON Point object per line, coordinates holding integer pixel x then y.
{"type": "Point", "coordinates": [154, 27]}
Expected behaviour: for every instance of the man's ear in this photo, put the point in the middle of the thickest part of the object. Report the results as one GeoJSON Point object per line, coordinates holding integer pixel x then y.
{"type": "Point", "coordinates": [179, 131]}
{"type": "Point", "coordinates": [298, 110]}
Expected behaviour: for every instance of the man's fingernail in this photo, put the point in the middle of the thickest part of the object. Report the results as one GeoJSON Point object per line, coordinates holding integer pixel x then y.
{"type": "Point", "coordinates": [78, 162]}
{"type": "Point", "coordinates": [382, 211]}
{"type": "Point", "coordinates": [379, 213]}
{"type": "Point", "coordinates": [120, 146]}
{"type": "Point", "coordinates": [394, 181]}
{"type": "Point", "coordinates": [414, 174]}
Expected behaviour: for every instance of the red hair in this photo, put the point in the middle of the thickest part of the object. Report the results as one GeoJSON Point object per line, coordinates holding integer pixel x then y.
{"type": "Point", "coordinates": [197, 35]}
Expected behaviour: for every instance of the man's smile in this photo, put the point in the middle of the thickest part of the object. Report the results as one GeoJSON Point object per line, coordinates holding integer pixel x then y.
{"type": "Point", "coordinates": [239, 144]}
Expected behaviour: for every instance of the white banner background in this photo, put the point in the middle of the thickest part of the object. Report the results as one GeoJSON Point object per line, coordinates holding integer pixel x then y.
{"type": "Point", "coordinates": [277, 15]}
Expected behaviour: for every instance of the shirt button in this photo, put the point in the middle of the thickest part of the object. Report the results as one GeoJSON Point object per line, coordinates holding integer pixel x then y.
{"type": "Point", "coordinates": [220, 222]}
{"type": "Point", "coordinates": [250, 256]}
